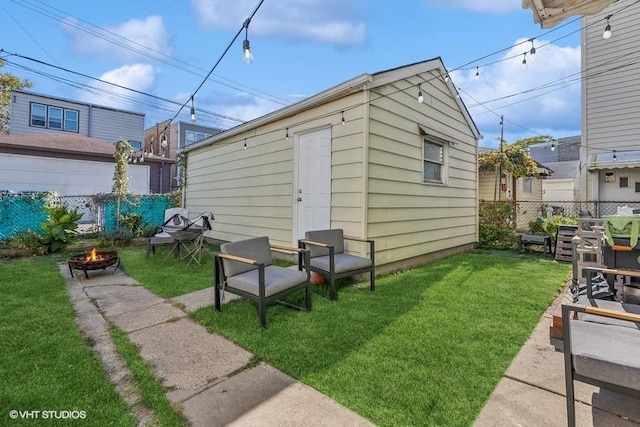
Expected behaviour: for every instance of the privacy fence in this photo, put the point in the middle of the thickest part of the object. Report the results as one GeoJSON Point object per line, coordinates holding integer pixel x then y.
{"type": "Point", "coordinates": [100, 213]}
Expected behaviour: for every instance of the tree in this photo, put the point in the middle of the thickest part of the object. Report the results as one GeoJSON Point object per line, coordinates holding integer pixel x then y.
{"type": "Point", "coordinates": [8, 82]}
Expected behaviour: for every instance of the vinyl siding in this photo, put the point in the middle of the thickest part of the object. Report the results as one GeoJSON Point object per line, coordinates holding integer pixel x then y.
{"type": "Point", "coordinates": [101, 123]}
{"type": "Point", "coordinates": [407, 217]}
{"type": "Point", "coordinates": [611, 89]}
{"type": "Point", "coordinates": [251, 192]}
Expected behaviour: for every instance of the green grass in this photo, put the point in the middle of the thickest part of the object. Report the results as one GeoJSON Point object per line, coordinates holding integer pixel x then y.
{"type": "Point", "coordinates": [45, 363]}
{"type": "Point", "coordinates": [167, 276]}
{"type": "Point", "coordinates": [150, 387]}
{"type": "Point", "coordinates": [426, 348]}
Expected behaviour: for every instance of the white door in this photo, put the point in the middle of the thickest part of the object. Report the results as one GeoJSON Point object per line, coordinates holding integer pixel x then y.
{"type": "Point", "coordinates": [313, 179]}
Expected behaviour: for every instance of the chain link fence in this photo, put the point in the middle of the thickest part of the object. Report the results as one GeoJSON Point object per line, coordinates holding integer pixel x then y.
{"type": "Point", "coordinates": [100, 213]}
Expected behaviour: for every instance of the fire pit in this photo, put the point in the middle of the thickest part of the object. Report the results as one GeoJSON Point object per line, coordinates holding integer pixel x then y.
{"type": "Point", "coordinates": [93, 260]}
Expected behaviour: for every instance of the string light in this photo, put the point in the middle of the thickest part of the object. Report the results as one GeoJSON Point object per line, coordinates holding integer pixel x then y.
{"type": "Point", "coordinates": [246, 48]}
{"type": "Point", "coordinates": [477, 76]}
{"type": "Point", "coordinates": [287, 133]}
{"type": "Point", "coordinates": [532, 52]}
{"type": "Point", "coordinates": [524, 61]}
{"type": "Point", "coordinates": [607, 29]}
{"type": "Point", "coordinates": [615, 157]}
{"type": "Point", "coordinates": [245, 144]}
{"type": "Point", "coordinates": [420, 97]}
{"type": "Point", "coordinates": [343, 121]}
{"type": "Point", "coordinates": [193, 111]}
{"type": "Point", "coordinates": [553, 146]}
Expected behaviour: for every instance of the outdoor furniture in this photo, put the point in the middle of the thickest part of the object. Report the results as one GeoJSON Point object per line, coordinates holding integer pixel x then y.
{"type": "Point", "coordinates": [245, 268]}
{"type": "Point", "coordinates": [329, 259]}
{"type": "Point", "coordinates": [534, 239]}
{"type": "Point", "coordinates": [174, 219]}
{"type": "Point", "coordinates": [191, 238]}
{"type": "Point", "coordinates": [600, 348]}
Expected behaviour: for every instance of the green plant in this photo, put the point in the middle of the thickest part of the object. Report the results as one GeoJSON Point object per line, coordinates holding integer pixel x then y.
{"type": "Point", "coordinates": [549, 227]}
{"type": "Point", "coordinates": [120, 236]}
{"type": "Point", "coordinates": [29, 239]}
{"type": "Point", "coordinates": [61, 227]}
{"type": "Point", "coordinates": [132, 222]}
{"type": "Point", "coordinates": [497, 225]}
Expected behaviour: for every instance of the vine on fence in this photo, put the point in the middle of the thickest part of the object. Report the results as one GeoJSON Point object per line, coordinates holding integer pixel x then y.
{"type": "Point", "coordinates": [497, 225]}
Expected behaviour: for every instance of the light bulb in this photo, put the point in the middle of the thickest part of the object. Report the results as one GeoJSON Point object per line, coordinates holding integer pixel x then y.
{"type": "Point", "coordinates": [524, 61]}
{"type": "Point", "coordinates": [477, 76]}
{"type": "Point", "coordinates": [246, 48]}
{"type": "Point", "coordinates": [607, 32]}
{"type": "Point", "coordinates": [420, 97]}
{"type": "Point", "coordinates": [553, 147]}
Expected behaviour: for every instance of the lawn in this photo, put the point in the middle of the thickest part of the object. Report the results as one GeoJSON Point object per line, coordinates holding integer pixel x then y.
{"type": "Point", "coordinates": [45, 363]}
{"type": "Point", "coordinates": [426, 348]}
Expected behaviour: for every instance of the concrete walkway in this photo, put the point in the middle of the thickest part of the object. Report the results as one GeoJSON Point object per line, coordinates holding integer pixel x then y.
{"type": "Point", "coordinates": [212, 380]}
{"type": "Point", "coordinates": [532, 391]}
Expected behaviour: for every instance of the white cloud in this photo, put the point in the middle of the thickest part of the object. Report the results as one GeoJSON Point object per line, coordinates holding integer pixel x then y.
{"type": "Point", "coordinates": [320, 21]}
{"type": "Point", "coordinates": [490, 6]}
{"type": "Point", "coordinates": [141, 77]}
{"type": "Point", "coordinates": [128, 40]}
{"type": "Point", "coordinates": [543, 99]}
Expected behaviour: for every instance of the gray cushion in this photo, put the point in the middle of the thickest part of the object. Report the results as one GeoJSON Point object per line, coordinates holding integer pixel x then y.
{"type": "Point", "coordinates": [161, 239]}
{"type": "Point", "coordinates": [607, 353]}
{"type": "Point", "coordinates": [609, 305]}
{"type": "Point", "coordinates": [334, 237]}
{"type": "Point", "coordinates": [257, 249]}
{"type": "Point", "coordinates": [343, 263]}
{"type": "Point", "coordinates": [276, 280]}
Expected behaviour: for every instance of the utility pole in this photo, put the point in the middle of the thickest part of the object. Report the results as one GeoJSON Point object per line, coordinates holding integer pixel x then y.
{"type": "Point", "coordinates": [498, 187]}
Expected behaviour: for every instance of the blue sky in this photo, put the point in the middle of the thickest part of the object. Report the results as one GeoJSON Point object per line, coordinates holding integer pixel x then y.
{"type": "Point", "coordinates": [165, 48]}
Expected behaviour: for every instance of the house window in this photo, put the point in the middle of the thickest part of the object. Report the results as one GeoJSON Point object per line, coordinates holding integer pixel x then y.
{"type": "Point", "coordinates": [637, 187]}
{"type": "Point", "coordinates": [624, 182]}
{"type": "Point", "coordinates": [527, 185]}
{"type": "Point", "coordinates": [55, 118]}
{"type": "Point", "coordinates": [433, 156]}
{"type": "Point", "coordinates": [191, 137]}
{"type": "Point", "coordinates": [71, 120]}
{"type": "Point", "coordinates": [38, 115]}
{"type": "Point", "coordinates": [51, 117]}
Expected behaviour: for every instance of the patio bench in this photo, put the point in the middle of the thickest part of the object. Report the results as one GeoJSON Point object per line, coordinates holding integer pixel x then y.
{"type": "Point", "coordinates": [535, 239]}
{"type": "Point", "coordinates": [600, 348]}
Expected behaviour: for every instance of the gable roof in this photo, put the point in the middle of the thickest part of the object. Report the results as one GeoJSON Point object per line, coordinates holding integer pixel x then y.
{"type": "Point", "coordinates": [368, 81]}
{"type": "Point", "coordinates": [549, 13]}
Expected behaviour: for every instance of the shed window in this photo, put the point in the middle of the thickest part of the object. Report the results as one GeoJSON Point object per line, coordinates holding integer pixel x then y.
{"type": "Point", "coordinates": [433, 161]}
{"type": "Point", "coordinates": [624, 182]}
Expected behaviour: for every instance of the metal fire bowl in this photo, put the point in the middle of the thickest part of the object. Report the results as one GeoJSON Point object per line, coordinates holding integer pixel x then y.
{"type": "Point", "coordinates": [78, 262]}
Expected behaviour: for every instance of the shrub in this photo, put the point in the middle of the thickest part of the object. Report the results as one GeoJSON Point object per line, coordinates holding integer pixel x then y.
{"type": "Point", "coordinates": [497, 225]}
{"type": "Point", "coordinates": [29, 239]}
{"type": "Point", "coordinates": [61, 227]}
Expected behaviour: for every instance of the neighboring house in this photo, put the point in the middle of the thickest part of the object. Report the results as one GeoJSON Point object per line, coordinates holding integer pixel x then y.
{"type": "Point", "coordinates": [365, 156]}
{"type": "Point", "coordinates": [611, 104]}
{"type": "Point", "coordinates": [67, 146]}
{"type": "Point", "coordinates": [36, 114]}
{"type": "Point", "coordinates": [166, 139]}
{"type": "Point", "coordinates": [563, 157]}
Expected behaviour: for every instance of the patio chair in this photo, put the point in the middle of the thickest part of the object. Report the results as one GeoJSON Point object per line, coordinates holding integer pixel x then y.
{"type": "Point", "coordinates": [245, 268]}
{"type": "Point", "coordinates": [174, 218]}
{"type": "Point", "coordinates": [191, 238]}
{"type": "Point", "coordinates": [328, 258]}
{"type": "Point", "coordinates": [600, 348]}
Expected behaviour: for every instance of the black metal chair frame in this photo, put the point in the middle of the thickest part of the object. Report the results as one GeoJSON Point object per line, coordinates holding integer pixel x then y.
{"type": "Point", "coordinates": [331, 275]}
{"type": "Point", "coordinates": [261, 299]}
{"type": "Point", "coordinates": [569, 371]}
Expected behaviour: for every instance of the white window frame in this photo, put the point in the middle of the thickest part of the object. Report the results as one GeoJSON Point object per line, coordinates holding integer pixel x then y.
{"type": "Point", "coordinates": [61, 123]}
{"type": "Point", "coordinates": [440, 163]}
{"type": "Point", "coordinates": [34, 120]}
{"type": "Point", "coordinates": [55, 117]}
{"type": "Point", "coordinates": [71, 124]}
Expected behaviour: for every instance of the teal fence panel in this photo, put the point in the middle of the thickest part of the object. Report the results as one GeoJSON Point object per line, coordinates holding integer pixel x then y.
{"type": "Point", "coordinates": [21, 213]}
{"type": "Point", "coordinates": [150, 207]}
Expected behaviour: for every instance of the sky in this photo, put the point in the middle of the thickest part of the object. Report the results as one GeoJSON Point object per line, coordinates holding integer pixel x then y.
{"type": "Point", "coordinates": [164, 49]}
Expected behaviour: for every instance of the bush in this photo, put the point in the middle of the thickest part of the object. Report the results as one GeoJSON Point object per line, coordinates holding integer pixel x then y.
{"type": "Point", "coordinates": [29, 239]}
{"type": "Point", "coordinates": [544, 226]}
{"type": "Point", "coordinates": [61, 227]}
{"type": "Point", "coordinates": [497, 225]}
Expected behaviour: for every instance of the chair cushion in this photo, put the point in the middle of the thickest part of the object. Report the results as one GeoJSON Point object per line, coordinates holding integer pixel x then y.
{"type": "Point", "coordinates": [276, 280]}
{"type": "Point", "coordinates": [343, 263]}
{"type": "Point", "coordinates": [161, 239]}
{"type": "Point", "coordinates": [609, 305]}
{"type": "Point", "coordinates": [333, 237]}
{"type": "Point", "coordinates": [257, 248]}
{"type": "Point", "coordinates": [607, 353]}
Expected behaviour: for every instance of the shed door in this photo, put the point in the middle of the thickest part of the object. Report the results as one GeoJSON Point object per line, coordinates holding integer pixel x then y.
{"type": "Point", "coordinates": [313, 179]}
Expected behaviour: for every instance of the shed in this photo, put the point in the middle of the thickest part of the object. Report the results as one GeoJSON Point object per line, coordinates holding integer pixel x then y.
{"type": "Point", "coordinates": [369, 156]}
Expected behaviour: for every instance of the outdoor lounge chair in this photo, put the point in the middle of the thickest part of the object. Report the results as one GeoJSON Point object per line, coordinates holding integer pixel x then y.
{"type": "Point", "coordinates": [191, 238]}
{"type": "Point", "coordinates": [174, 219]}
{"type": "Point", "coordinates": [245, 268]}
{"type": "Point", "coordinates": [600, 348]}
{"type": "Point", "coordinates": [329, 259]}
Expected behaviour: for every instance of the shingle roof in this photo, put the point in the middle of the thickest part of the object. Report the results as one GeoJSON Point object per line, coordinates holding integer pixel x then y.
{"type": "Point", "coordinates": [63, 143]}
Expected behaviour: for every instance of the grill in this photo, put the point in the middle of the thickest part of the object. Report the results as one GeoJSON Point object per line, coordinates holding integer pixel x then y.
{"type": "Point", "coordinates": [93, 260]}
